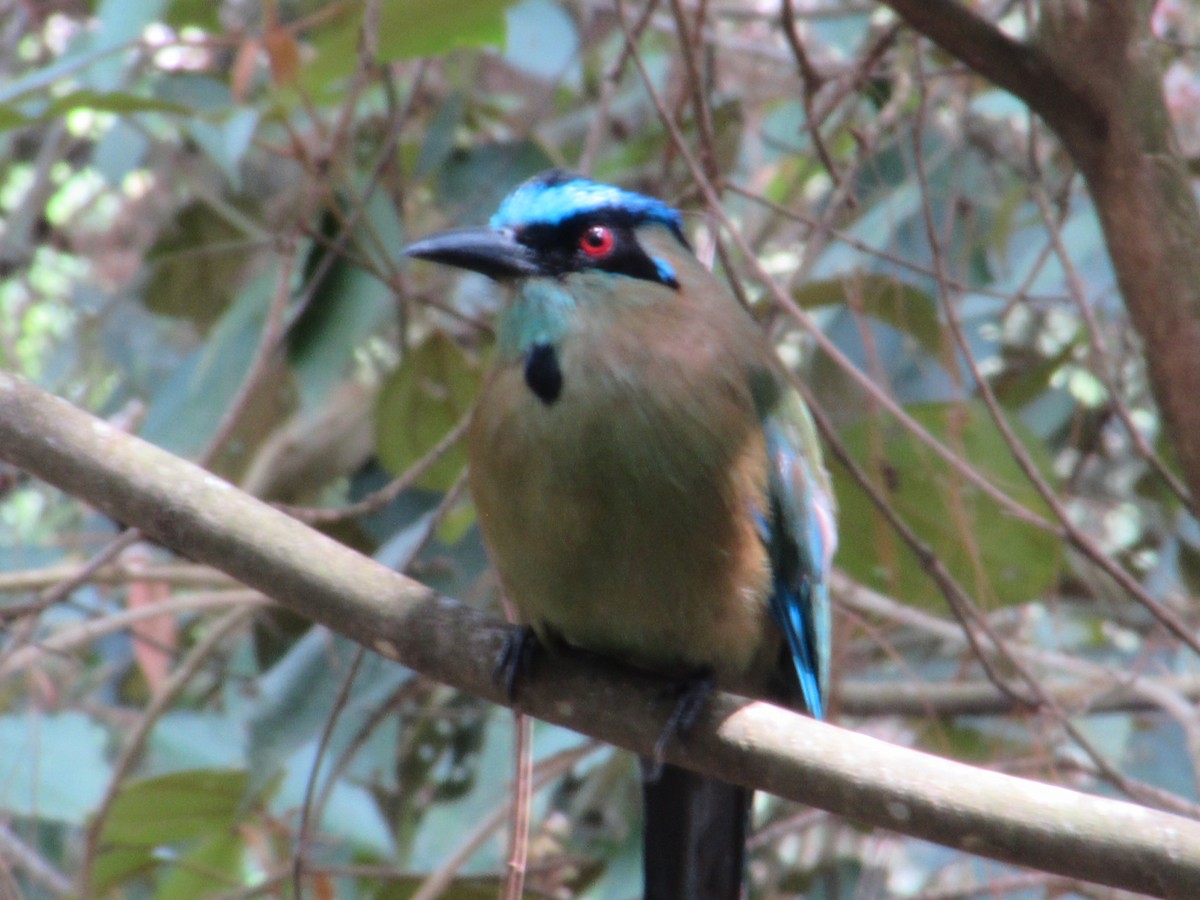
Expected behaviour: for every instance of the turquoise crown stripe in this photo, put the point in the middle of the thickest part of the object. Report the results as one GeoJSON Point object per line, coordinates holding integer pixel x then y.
{"type": "Point", "coordinates": [552, 198]}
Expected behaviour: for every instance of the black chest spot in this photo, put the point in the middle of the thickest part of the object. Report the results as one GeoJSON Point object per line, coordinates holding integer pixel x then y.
{"type": "Point", "coordinates": [542, 372]}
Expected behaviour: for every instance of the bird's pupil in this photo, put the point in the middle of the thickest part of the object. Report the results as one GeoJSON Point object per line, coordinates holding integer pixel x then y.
{"type": "Point", "coordinates": [597, 240]}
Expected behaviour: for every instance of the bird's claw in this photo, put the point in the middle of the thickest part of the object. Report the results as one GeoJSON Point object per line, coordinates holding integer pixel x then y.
{"type": "Point", "coordinates": [690, 696]}
{"type": "Point", "coordinates": [516, 659]}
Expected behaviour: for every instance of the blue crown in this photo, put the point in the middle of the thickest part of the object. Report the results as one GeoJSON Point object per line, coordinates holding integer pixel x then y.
{"type": "Point", "coordinates": [555, 196]}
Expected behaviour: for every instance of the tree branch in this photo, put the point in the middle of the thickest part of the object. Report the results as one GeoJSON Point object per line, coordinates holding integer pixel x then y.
{"type": "Point", "coordinates": [208, 520]}
{"type": "Point", "coordinates": [1023, 70]}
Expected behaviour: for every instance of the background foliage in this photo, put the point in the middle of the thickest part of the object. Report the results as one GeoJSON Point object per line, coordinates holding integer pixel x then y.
{"type": "Point", "coordinates": [202, 208]}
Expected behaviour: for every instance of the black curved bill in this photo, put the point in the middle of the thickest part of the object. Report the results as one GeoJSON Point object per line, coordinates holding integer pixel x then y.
{"type": "Point", "coordinates": [496, 254]}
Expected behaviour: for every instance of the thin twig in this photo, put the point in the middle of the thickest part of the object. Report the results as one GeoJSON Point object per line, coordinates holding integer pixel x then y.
{"type": "Point", "coordinates": [811, 82]}
{"type": "Point", "coordinates": [695, 84]}
{"type": "Point", "coordinates": [75, 636]}
{"type": "Point", "coordinates": [518, 844]}
{"type": "Point", "coordinates": [178, 574]}
{"type": "Point", "coordinates": [377, 500]}
{"type": "Point", "coordinates": [300, 844]}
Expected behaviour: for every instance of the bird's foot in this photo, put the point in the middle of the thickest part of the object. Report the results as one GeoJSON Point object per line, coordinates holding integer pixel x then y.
{"type": "Point", "coordinates": [516, 658]}
{"type": "Point", "coordinates": [690, 696]}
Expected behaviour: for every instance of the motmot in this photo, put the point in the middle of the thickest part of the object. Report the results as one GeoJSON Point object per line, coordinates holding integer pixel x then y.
{"type": "Point", "coordinates": [648, 482]}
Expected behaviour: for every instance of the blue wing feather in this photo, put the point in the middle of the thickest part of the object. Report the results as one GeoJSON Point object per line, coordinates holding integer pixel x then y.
{"type": "Point", "coordinates": [800, 535]}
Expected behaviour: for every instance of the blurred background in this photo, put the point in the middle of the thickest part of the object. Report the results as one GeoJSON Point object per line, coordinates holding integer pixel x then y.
{"type": "Point", "coordinates": [203, 205]}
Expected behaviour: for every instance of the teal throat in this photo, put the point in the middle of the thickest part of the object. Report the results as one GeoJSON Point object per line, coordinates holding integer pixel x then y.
{"type": "Point", "coordinates": [538, 314]}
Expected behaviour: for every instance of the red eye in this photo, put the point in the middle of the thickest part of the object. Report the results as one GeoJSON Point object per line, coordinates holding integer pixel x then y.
{"type": "Point", "coordinates": [597, 241]}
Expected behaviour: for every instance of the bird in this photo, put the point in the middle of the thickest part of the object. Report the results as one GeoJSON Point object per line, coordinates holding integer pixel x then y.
{"type": "Point", "coordinates": [648, 482]}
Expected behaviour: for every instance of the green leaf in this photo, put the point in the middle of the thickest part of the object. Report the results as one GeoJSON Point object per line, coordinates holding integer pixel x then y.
{"type": "Point", "coordinates": [208, 870]}
{"type": "Point", "coordinates": [52, 767]}
{"type": "Point", "coordinates": [119, 151]}
{"type": "Point", "coordinates": [349, 303]}
{"type": "Point", "coordinates": [189, 739]}
{"type": "Point", "coordinates": [117, 24]}
{"type": "Point", "coordinates": [199, 805]}
{"type": "Point", "coordinates": [226, 139]}
{"type": "Point", "coordinates": [178, 807]}
{"type": "Point", "coordinates": [335, 53]}
{"type": "Point", "coordinates": [455, 523]}
{"type": "Point", "coordinates": [351, 814]}
{"type": "Point", "coordinates": [906, 308]}
{"type": "Point", "coordinates": [11, 117]}
{"type": "Point", "coordinates": [196, 13]}
{"type": "Point", "coordinates": [196, 266]}
{"type": "Point", "coordinates": [431, 389]}
{"type": "Point", "coordinates": [997, 559]}
{"type": "Point", "coordinates": [409, 28]}
{"type": "Point", "coordinates": [111, 101]}
{"type": "Point", "coordinates": [115, 866]}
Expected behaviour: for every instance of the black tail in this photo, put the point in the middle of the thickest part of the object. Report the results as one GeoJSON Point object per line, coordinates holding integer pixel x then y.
{"type": "Point", "coordinates": [695, 836]}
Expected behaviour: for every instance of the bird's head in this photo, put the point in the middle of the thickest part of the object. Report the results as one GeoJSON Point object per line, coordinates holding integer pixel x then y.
{"type": "Point", "coordinates": [557, 224]}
